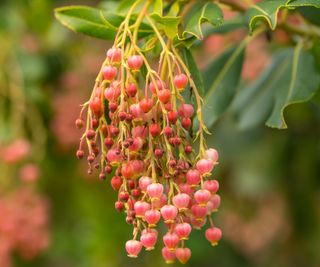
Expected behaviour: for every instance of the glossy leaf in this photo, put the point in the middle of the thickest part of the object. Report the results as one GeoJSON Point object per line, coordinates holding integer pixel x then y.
{"type": "Point", "coordinates": [291, 78]}
{"type": "Point", "coordinates": [199, 14]}
{"type": "Point", "coordinates": [267, 11]}
{"type": "Point", "coordinates": [88, 20]}
{"type": "Point", "coordinates": [195, 73]}
{"type": "Point", "coordinates": [94, 22]}
{"type": "Point", "coordinates": [221, 79]}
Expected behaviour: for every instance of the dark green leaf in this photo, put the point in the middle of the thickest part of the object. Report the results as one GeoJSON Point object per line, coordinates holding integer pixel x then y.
{"type": "Point", "coordinates": [88, 20]}
{"type": "Point", "coordinates": [311, 13]}
{"type": "Point", "coordinates": [199, 14]}
{"type": "Point", "coordinates": [290, 79]}
{"type": "Point", "coordinates": [195, 73]}
{"type": "Point", "coordinates": [94, 22]}
{"type": "Point", "coordinates": [221, 79]}
{"type": "Point", "coordinates": [267, 11]}
{"type": "Point", "coordinates": [315, 3]}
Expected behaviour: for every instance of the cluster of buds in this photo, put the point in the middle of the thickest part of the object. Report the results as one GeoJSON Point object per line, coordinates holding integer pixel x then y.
{"type": "Point", "coordinates": [139, 129]}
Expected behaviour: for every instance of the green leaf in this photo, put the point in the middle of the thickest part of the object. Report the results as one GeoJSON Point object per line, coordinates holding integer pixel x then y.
{"type": "Point", "coordinates": [267, 11]}
{"type": "Point", "coordinates": [228, 26]}
{"type": "Point", "coordinates": [291, 78]}
{"type": "Point", "coordinates": [199, 14]}
{"type": "Point", "coordinates": [193, 68]}
{"type": "Point", "coordinates": [311, 13]}
{"type": "Point", "coordinates": [158, 7]}
{"type": "Point", "coordinates": [296, 3]}
{"type": "Point", "coordinates": [125, 5]}
{"type": "Point", "coordinates": [89, 21]}
{"type": "Point", "coordinates": [109, 5]}
{"type": "Point", "coordinates": [95, 22]}
{"type": "Point", "coordinates": [221, 79]}
{"type": "Point", "coordinates": [166, 23]}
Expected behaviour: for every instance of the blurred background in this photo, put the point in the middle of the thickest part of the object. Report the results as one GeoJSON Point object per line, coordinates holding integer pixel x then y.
{"type": "Point", "coordinates": [53, 214]}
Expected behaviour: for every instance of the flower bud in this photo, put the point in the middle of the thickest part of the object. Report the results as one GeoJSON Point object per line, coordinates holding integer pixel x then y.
{"type": "Point", "coordinates": [171, 241]}
{"type": "Point", "coordinates": [202, 197]}
{"type": "Point", "coordinates": [148, 239]}
{"type": "Point", "coordinates": [169, 213]}
{"type": "Point", "coordinates": [109, 72]}
{"type": "Point", "coordinates": [114, 55]}
{"type": "Point", "coordinates": [135, 62]}
{"type": "Point", "coordinates": [213, 235]}
{"type": "Point", "coordinates": [133, 248]}
{"type": "Point", "coordinates": [205, 166]}
{"type": "Point", "coordinates": [155, 190]}
{"type": "Point", "coordinates": [183, 254]}
{"type": "Point", "coordinates": [181, 201]}
{"type": "Point", "coordinates": [193, 177]}
{"type": "Point", "coordinates": [183, 230]}
{"type": "Point", "coordinates": [180, 81]}
{"type": "Point", "coordinates": [152, 217]}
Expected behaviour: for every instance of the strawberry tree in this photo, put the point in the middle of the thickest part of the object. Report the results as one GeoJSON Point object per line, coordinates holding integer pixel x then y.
{"type": "Point", "coordinates": [145, 123]}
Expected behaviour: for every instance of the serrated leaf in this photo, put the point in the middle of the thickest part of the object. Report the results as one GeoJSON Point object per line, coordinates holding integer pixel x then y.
{"type": "Point", "coordinates": [227, 26]}
{"type": "Point", "coordinates": [193, 68]}
{"type": "Point", "coordinates": [221, 79]}
{"type": "Point", "coordinates": [291, 78]}
{"type": "Point", "coordinates": [199, 14]}
{"type": "Point", "coordinates": [268, 10]}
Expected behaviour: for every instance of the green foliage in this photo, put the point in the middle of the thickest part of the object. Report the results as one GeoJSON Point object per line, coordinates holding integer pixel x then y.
{"type": "Point", "coordinates": [268, 10]}
{"type": "Point", "coordinates": [221, 79]}
{"type": "Point", "coordinates": [310, 13]}
{"type": "Point", "coordinates": [199, 14]}
{"type": "Point", "coordinates": [193, 68]}
{"type": "Point", "coordinates": [93, 22]}
{"type": "Point", "coordinates": [291, 78]}
{"type": "Point", "coordinates": [256, 103]}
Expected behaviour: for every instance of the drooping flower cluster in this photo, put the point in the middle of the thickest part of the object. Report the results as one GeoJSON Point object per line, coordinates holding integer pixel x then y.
{"type": "Point", "coordinates": [139, 127]}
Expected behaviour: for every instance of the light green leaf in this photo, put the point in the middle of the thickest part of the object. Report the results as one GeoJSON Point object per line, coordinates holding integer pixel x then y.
{"type": "Point", "coordinates": [174, 10]}
{"type": "Point", "coordinates": [221, 80]}
{"type": "Point", "coordinates": [199, 14]}
{"type": "Point", "coordinates": [166, 23]}
{"type": "Point", "coordinates": [125, 5]}
{"type": "Point", "coordinates": [158, 7]}
{"type": "Point", "coordinates": [291, 78]}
